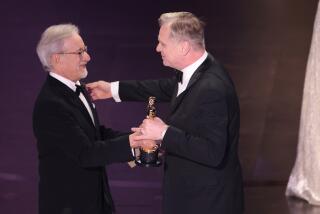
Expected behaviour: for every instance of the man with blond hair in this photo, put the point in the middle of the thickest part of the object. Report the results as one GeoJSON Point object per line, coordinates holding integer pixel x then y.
{"type": "Point", "coordinates": [202, 172]}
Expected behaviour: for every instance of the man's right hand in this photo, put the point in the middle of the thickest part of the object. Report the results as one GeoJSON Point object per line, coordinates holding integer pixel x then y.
{"type": "Point", "coordinates": [148, 144]}
{"type": "Point", "coordinates": [99, 90]}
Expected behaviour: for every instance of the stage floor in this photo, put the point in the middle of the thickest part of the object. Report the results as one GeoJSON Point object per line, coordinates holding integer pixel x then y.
{"type": "Point", "coordinates": [269, 199]}
{"type": "Point", "coordinates": [134, 195]}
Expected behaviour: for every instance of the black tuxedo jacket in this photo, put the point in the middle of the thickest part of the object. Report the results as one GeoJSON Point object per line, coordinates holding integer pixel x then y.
{"type": "Point", "coordinates": [72, 153]}
{"type": "Point", "coordinates": [202, 172]}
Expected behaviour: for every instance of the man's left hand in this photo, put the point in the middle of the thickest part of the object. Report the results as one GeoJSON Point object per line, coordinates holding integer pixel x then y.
{"type": "Point", "coordinates": [150, 129]}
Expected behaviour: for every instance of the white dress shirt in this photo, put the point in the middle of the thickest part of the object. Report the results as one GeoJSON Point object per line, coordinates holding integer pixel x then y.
{"type": "Point", "coordinates": [188, 72]}
{"type": "Point", "coordinates": [72, 86]}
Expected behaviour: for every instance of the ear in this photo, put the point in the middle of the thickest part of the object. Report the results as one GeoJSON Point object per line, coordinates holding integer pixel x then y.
{"type": "Point", "coordinates": [185, 47]}
{"type": "Point", "coordinates": [55, 59]}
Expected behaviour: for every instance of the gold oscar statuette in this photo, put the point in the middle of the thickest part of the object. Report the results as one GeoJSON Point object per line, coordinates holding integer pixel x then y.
{"type": "Point", "coordinates": [148, 157]}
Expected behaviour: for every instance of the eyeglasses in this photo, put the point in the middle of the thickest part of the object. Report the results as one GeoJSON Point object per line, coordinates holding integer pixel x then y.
{"type": "Point", "coordinates": [80, 52]}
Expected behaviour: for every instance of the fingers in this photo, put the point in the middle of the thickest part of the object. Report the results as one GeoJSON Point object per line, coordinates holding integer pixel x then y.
{"type": "Point", "coordinates": [94, 96]}
{"type": "Point", "coordinates": [137, 140]}
{"type": "Point", "coordinates": [133, 143]}
{"type": "Point", "coordinates": [135, 129]}
{"type": "Point", "coordinates": [91, 86]}
{"type": "Point", "coordinates": [158, 119]}
{"type": "Point", "coordinates": [96, 85]}
{"type": "Point", "coordinates": [138, 134]}
{"type": "Point", "coordinates": [99, 90]}
{"type": "Point", "coordinates": [140, 137]}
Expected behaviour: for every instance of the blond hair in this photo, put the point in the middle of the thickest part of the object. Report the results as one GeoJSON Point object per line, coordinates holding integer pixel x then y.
{"type": "Point", "coordinates": [185, 25]}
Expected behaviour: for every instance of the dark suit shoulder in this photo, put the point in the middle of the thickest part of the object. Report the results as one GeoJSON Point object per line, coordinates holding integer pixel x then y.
{"type": "Point", "coordinates": [52, 101]}
{"type": "Point", "coordinates": [49, 99]}
{"type": "Point", "coordinates": [215, 75]}
{"type": "Point", "coordinates": [214, 83]}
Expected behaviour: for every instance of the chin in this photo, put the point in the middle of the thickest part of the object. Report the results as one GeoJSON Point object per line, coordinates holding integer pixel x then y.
{"type": "Point", "coordinates": [84, 73]}
{"type": "Point", "coordinates": [167, 64]}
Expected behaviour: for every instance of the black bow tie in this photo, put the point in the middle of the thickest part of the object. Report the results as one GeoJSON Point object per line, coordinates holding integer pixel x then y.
{"type": "Point", "coordinates": [80, 88]}
{"type": "Point", "coordinates": [179, 75]}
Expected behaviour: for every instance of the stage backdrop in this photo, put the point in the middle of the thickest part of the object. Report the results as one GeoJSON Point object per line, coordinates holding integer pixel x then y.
{"type": "Point", "coordinates": [263, 44]}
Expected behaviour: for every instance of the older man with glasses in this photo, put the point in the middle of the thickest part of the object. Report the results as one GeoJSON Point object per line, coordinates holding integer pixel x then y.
{"type": "Point", "coordinates": [73, 148]}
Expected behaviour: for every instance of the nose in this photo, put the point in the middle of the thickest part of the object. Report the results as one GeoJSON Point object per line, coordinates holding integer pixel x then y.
{"type": "Point", "coordinates": [86, 57]}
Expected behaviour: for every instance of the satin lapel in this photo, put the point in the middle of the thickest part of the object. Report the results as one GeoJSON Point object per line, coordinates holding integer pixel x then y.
{"type": "Point", "coordinates": [94, 113]}
{"type": "Point", "coordinates": [202, 68]}
{"type": "Point", "coordinates": [175, 102]}
{"type": "Point", "coordinates": [70, 96]}
{"type": "Point", "coordinates": [79, 104]}
{"type": "Point", "coordinates": [174, 96]}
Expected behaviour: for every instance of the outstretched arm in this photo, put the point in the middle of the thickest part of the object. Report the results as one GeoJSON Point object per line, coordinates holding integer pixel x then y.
{"type": "Point", "coordinates": [99, 90]}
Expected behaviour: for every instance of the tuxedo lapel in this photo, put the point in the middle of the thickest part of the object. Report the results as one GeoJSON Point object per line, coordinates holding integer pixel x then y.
{"type": "Point", "coordinates": [75, 100]}
{"type": "Point", "coordinates": [174, 96]}
{"type": "Point", "coordinates": [93, 109]}
{"type": "Point", "coordinates": [79, 104]}
{"type": "Point", "coordinates": [70, 96]}
{"type": "Point", "coordinates": [197, 74]}
{"type": "Point", "coordinates": [94, 113]}
{"type": "Point", "coordinates": [176, 100]}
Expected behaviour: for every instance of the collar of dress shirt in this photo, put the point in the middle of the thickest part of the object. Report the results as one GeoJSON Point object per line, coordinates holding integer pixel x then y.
{"type": "Point", "coordinates": [65, 81]}
{"type": "Point", "coordinates": [190, 69]}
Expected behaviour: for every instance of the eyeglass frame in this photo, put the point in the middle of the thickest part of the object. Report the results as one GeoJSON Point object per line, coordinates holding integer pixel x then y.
{"type": "Point", "coordinates": [80, 52]}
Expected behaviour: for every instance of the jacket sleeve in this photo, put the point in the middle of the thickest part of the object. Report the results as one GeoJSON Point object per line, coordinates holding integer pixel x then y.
{"type": "Point", "coordinates": [141, 90]}
{"type": "Point", "coordinates": [205, 140]}
{"type": "Point", "coordinates": [57, 129]}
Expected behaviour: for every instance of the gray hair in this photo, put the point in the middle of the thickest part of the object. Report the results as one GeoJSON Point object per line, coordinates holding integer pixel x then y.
{"type": "Point", "coordinates": [52, 41]}
{"type": "Point", "coordinates": [185, 25]}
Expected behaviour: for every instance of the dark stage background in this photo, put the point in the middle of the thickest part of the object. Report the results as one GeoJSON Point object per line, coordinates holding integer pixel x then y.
{"type": "Point", "coordinates": [263, 44]}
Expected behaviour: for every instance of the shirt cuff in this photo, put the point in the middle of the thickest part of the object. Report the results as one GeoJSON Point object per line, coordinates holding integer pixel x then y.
{"type": "Point", "coordinates": [115, 91]}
